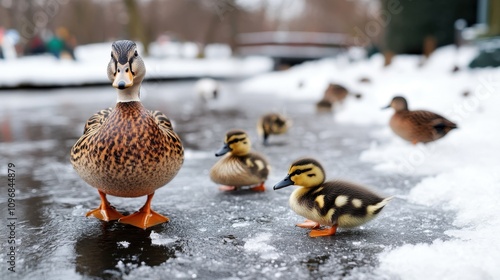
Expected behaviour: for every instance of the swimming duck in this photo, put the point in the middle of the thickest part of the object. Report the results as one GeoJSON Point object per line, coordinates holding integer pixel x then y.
{"type": "Point", "coordinates": [270, 124]}
{"type": "Point", "coordinates": [239, 167]}
{"type": "Point", "coordinates": [127, 151]}
{"type": "Point", "coordinates": [332, 203]}
{"type": "Point", "coordinates": [417, 126]}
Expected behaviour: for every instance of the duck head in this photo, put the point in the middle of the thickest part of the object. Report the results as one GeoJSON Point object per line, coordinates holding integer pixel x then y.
{"type": "Point", "coordinates": [236, 142]}
{"type": "Point", "coordinates": [305, 172]}
{"type": "Point", "coordinates": [398, 103]}
{"type": "Point", "coordinates": [126, 70]}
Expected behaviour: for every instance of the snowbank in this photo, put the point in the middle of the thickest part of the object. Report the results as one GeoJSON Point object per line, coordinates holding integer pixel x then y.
{"type": "Point", "coordinates": [92, 60]}
{"type": "Point", "coordinates": [461, 169]}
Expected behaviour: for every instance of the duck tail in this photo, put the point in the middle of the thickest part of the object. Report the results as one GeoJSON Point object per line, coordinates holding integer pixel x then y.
{"type": "Point", "coordinates": [375, 209]}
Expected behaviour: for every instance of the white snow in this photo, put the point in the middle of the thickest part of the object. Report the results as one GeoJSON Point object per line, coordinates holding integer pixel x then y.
{"type": "Point", "coordinates": [92, 60]}
{"type": "Point", "coordinates": [158, 240]}
{"type": "Point", "coordinates": [460, 171]}
{"type": "Point", "coordinates": [259, 245]}
{"type": "Point", "coordinates": [124, 244]}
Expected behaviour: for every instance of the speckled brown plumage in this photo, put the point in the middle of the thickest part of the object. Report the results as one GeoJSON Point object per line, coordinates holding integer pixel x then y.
{"type": "Point", "coordinates": [418, 126]}
{"type": "Point", "coordinates": [127, 151]}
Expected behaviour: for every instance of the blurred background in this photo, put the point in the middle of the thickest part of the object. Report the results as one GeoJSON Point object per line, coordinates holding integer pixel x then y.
{"type": "Point", "coordinates": [288, 31]}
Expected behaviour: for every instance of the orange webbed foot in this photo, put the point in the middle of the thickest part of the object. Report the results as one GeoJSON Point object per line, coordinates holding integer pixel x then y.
{"type": "Point", "coordinates": [308, 224]}
{"type": "Point", "coordinates": [259, 188]}
{"type": "Point", "coordinates": [323, 232]}
{"type": "Point", "coordinates": [145, 217]}
{"type": "Point", "coordinates": [105, 212]}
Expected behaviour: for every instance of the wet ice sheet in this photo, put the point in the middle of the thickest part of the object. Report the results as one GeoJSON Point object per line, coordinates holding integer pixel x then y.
{"type": "Point", "coordinates": [211, 235]}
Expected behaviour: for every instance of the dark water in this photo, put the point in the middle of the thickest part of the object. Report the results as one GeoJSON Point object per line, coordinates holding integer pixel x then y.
{"type": "Point", "coordinates": [211, 235]}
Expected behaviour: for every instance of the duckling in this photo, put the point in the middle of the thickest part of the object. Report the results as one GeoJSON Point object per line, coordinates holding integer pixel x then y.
{"type": "Point", "coordinates": [127, 151]}
{"type": "Point", "coordinates": [335, 93]}
{"type": "Point", "coordinates": [417, 126]}
{"type": "Point", "coordinates": [272, 123]}
{"type": "Point", "coordinates": [324, 106]}
{"type": "Point", "coordinates": [239, 167]}
{"type": "Point", "coordinates": [332, 203]}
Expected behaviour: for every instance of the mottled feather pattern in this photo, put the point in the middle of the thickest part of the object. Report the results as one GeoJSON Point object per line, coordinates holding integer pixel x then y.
{"type": "Point", "coordinates": [330, 191]}
{"type": "Point", "coordinates": [240, 170]}
{"type": "Point", "coordinates": [128, 153]}
{"type": "Point", "coordinates": [96, 120]}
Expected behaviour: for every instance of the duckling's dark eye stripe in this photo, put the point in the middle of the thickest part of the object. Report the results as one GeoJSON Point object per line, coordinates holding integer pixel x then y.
{"type": "Point", "coordinates": [300, 171]}
{"type": "Point", "coordinates": [236, 140]}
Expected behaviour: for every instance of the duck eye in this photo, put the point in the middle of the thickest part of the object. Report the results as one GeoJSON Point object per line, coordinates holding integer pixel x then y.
{"type": "Point", "coordinates": [111, 54]}
{"type": "Point", "coordinates": [135, 53]}
{"type": "Point", "coordinates": [298, 172]}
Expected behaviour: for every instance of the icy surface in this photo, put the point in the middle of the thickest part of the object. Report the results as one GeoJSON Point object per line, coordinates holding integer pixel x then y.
{"type": "Point", "coordinates": [443, 223]}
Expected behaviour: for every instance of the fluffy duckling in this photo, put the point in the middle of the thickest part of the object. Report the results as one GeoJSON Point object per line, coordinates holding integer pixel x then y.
{"type": "Point", "coordinates": [127, 151]}
{"type": "Point", "coordinates": [324, 106]}
{"type": "Point", "coordinates": [270, 124]}
{"type": "Point", "coordinates": [417, 126]}
{"type": "Point", "coordinates": [239, 167]}
{"type": "Point", "coordinates": [332, 203]}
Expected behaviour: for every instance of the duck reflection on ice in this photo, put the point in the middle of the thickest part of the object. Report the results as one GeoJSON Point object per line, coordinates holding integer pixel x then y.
{"type": "Point", "coordinates": [115, 249]}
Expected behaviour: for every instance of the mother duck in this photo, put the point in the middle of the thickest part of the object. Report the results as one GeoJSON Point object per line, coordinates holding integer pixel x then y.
{"type": "Point", "coordinates": [127, 151]}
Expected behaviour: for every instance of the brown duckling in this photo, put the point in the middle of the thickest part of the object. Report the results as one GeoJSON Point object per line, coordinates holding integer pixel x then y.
{"type": "Point", "coordinates": [127, 151]}
{"type": "Point", "coordinates": [333, 203]}
{"type": "Point", "coordinates": [272, 124]}
{"type": "Point", "coordinates": [239, 167]}
{"type": "Point", "coordinates": [417, 126]}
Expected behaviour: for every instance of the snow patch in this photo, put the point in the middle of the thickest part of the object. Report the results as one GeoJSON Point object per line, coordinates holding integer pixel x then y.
{"type": "Point", "coordinates": [123, 244]}
{"type": "Point", "coordinates": [158, 240]}
{"type": "Point", "coordinates": [259, 245]}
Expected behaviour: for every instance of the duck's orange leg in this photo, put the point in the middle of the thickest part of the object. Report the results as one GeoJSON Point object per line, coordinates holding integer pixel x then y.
{"type": "Point", "coordinates": [105, 212]}
{"type": "Point", "coordinates": [145, 217]}
{"type": "Point", "coordinates": [323, 232]}
{"type": "Point", "coordinates": [259, 188]}
{"type": "Point", "coordinates": [308, 224]}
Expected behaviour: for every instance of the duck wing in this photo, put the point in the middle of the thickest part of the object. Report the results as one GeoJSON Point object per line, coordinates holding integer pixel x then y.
{"type": "Point", "coordinates": [96, 120]}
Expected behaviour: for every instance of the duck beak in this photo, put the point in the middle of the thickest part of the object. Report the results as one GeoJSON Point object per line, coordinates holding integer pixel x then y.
{"type": "Point", "coordinates": [283, 183]}
{"type": "Point", "coordinates": [123, 77]}
{"type": "Point", "coordinates": [386, 107]}
{"type": "Point", "coordinates": [224, 150]}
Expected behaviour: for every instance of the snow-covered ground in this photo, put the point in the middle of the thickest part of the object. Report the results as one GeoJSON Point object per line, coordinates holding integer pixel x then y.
{"type": "Point", "coordinates": [92, 60]}
{"type": "Point", "coordinates": [461, 170]}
